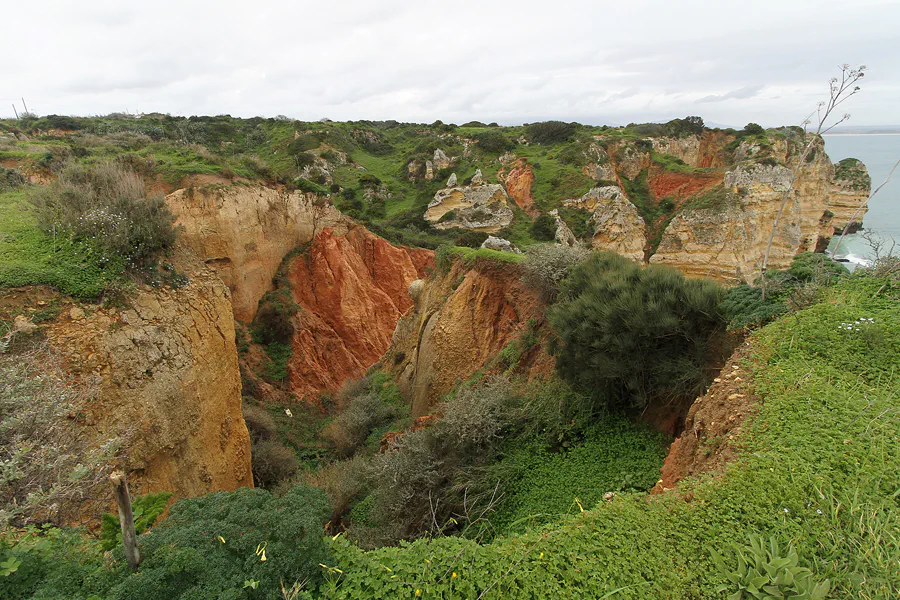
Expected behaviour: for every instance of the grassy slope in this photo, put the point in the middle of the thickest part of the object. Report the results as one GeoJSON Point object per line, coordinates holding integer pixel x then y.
{"type": "Point", "coordinates": [30, 256]}
{"type": "Point", "coordinates": [819, 469]}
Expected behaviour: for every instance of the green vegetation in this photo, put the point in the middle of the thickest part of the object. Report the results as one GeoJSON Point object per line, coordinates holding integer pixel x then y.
{"type": "Point", "coordinates": [629, 335]}
{"type": "Point", "coordinates": [614, 456]}
{"type": "Point", "coordinates": [788, 289]}
{"type": "Point", "coordinates": [106, 207]}
{"type": "Point", "coordinates": [852, 170]}
{"type": "Point", "coordinates": [30, 256]}
{"type": "Point", "coordinates": [446, 255]}
{"type": "Point", "coordinates": [145, 510]}
{"type": "Point", "coordinates": [816, 472]}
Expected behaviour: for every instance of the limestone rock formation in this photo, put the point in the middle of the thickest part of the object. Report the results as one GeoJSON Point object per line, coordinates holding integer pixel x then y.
{"type": "Point", "coordinates": [500, 245]}
{"type": "Point", "coordinates": [243, 232]}
{"type": "Point", "coordinates": [168, 377]}
{"type": "Point", "coordinates": [619, 226]}
{"type": "Point", "coordinates": [564, 235]}
{"type": "Point", "coordinates": [429, 170]}
{"type": "Point", "coordinates": [728, 241]}
{"type": "Point", "coordinates": [482, 208]}
{"type": "Point", "coordinates": [352, 290]}
{"type": "Point", "coordinates": [451, 182]}
{"type": "Point", "coordinates": [441, 160]}
{"type": "Point", "coordinates": [477, 178]}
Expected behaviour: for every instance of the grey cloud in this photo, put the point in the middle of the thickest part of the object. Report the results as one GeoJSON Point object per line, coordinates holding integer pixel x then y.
{"type": "Point", "coordinates": [748, 91]}
{"type": "Point", "coordinates": [485, 60]}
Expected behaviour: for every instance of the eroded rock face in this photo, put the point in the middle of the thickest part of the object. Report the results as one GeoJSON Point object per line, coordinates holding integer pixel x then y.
{"type": "Point", "coordinates": [619, 226]}
{"type": "Point", "coordinates": [453, 332]}
{"type": "Point", "coordinates": [243, 232]}
{"type": "Point", "coordinates": [479, 207]}
{"type": "Point", "coordinates": [352, 290]}
{"type": "Point", "coordinates": [728, 241]}
{"type": "Point", "coordinates": [518, 184]}
{"type": "Point", "coordinates": [168, 377]}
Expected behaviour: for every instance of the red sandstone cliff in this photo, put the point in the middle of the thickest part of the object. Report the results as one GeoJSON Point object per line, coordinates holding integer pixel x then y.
{"type": "Point", "coordinates": [352, 290]}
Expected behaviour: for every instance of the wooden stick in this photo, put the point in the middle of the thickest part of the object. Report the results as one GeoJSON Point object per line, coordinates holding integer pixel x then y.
{"type": "Point", "coordinates": [126, 519]}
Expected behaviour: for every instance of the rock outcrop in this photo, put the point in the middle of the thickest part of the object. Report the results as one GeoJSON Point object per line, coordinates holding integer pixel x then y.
{"type": "Point", "coordinates": [243, 232]}
{"type": "Point", "coordinates": [352, 290]}
{"type": "Point", "coordinates": [480, 207]}
{"type": "Point", "coordinates": [169, 381]}
{"type": "Point", "coordinates": [563, 235]}
{"type": "Point", "coordinates": [518, 184]}
{"type": "Point", "coordinates": [500, 245]}
{"type": "Point", "coordinates": [460, 322]}
{"type": "Point", "coordinates": [727, 240]}
{"type": "Point", "coordinates": [441, 160]}
{"type": "Point", "coordinates": [619, 226]}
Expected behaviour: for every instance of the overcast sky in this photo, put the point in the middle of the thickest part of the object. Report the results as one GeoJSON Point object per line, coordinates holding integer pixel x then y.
{"type": "Point", "coordinates": [598, 62]}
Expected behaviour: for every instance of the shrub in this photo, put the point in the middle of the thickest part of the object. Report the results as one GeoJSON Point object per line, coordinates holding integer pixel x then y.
{"type": "Point", "coordinates": [107, 206]}
{"type": "Point", "coordinates": [272, 462]}
{"type": "Point", "coordinates": [303, 143]}
{"type": "Point", "coordinates": [550, 132]}
{"type": "Point", "coordinates": [209, 547]}
{"type": "Point", "coordinates": [471, 239]}
{"type": "Point", "coordinates": [753, 129]}
{"type": "Point", "coordinates": [10, 179]}
{"type": "Point", "coordinates": [260, 423]}
{"type": "Point", "coordinates": [494, 141]}
{"type": "Point", "coordinates": [629, 334]}
{"type": "Point", "coordinates": [50, 467]}
{"type": "Point", "coordinates": [547, 265]}
{"type": "Point", "coordinates": [421, 487]}
{"type": "Point", "coordinates": [544, 228]}
{"type": "Point", "coordinates": [349, 431]}
{"type": "Point", "coordinates": [273, 320]}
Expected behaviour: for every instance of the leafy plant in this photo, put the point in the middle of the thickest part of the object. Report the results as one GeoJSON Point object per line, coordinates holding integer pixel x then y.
{"type": "Point", "coordinates": [145, 509]}
{"type": "Point", "coordinates": [210, 546]}
{"type": "Point", "coordinates": [768, 573]}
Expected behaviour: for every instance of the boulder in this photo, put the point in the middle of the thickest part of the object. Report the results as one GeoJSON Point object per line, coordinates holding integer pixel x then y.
{"type": "Point", "coordinates": [452, 181]}
{"type": "Point", "coordinates": [500, 245]}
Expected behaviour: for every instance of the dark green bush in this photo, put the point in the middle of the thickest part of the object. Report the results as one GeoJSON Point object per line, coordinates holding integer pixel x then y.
{"type": "Point", "coordinates": [209, 547]}
{"type": "Point", "coordinates": [303, 143]}
{"type": "Point", "coordinates": [10, 179]}
{"type": "Point", "coordinates": [494, 142]}
{"type": "Point", "coordinates": [107, 206]}
{"type": "Point", "coordinates": [273, 320]}
{"type": "Point", "coordinates": [628, 335]}
{"type": "Point", "coordinates": [471, 239]}
{"type": "Point", "coordinates": [543, 229]}
{"type": "Point", "coordinates": [550, 132]}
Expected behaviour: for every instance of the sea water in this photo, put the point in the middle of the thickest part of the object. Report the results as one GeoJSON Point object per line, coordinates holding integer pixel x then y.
{"type": "Point", "coordinates": [879, 152]}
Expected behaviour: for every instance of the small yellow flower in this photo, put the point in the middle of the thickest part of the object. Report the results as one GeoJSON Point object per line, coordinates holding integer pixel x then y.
{"type": "Point", "coordinates": [221, 539]}
{"type": "Point", "coordinates": [418, 592]}
{"type": "Point", "coordinates": [542, 555]}
{"type": "Point", "coordinates": [453, 575]}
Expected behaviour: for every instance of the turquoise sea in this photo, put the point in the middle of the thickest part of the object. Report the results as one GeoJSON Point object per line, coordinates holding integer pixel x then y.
{"type": "Point", "coordinates": [879, 152]}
